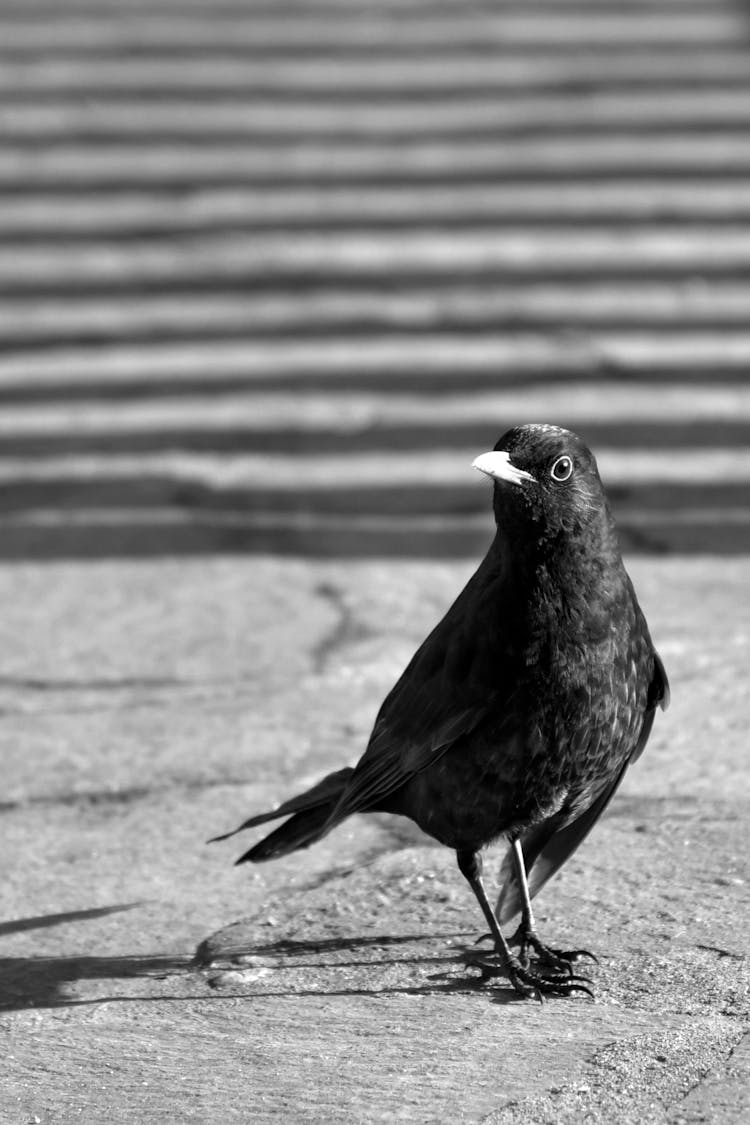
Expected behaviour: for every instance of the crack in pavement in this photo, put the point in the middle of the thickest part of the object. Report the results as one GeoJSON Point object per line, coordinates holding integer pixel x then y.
{"type": "Point", "coordinates": [716, 1074]}
{"type": "Point", "coordinates": [123, 796]}
{"type": "Point", "coordinates": [721, 952]}
{"type": "Point", "coordinates": [21, 695]}
{"type": "Point", "coordinates": [346, 630]}
{"type": "Point", "coordinates": [32, 683]}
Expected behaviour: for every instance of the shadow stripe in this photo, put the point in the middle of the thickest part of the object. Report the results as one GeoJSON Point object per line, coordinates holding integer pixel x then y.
{"type": "Point", "coordinates": [38, 339]}
{"type": "Point", "coordinates": [388, 438]}
{"type": "Point", "coordinates": [136, 539]}
{"type": "Point", "coordinates": [404, 499]}
{"type": "Point", "coordinates": [408, 381]}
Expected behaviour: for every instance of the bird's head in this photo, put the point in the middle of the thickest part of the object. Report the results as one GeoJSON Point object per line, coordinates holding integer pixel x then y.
{"type": "Point", "coordinates": [547, 487]}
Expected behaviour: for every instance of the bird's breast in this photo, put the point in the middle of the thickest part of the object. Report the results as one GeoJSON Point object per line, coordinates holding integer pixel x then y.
{"type": "Point", "coordinates": [568, 718]}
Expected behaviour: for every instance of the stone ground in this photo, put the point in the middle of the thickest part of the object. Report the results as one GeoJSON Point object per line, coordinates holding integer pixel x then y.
{"type": "Point", "coordinates": [268, 272]}
{"type": "Point", "coordinates": [148, 705]}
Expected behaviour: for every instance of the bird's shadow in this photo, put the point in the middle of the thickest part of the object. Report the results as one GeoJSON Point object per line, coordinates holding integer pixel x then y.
{"type": "Point", "coordinates": [206, 955]}
{"type": "Point", "coordinates": [43, 982]}
{"type": "Point", "coordinates": [454, 975]}
{"type": "Point", "coordinates": [39, 982]}
{"type": "Point", "coordinates": [45, 921]}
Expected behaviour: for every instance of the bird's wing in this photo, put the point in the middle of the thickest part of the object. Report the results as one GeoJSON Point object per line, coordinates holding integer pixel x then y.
{"type": "Point", "coordinates": [393, 756]}
{"type": "Point", "coordinates": [547, 845]}
{"type": "Point", "coordinates": [457, 676]}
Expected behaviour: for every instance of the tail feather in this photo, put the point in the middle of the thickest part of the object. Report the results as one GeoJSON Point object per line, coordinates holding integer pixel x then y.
{"type": "Point", "coordinates": [308, 812]}
{"type": "Point", "coordinates": [303, 829]}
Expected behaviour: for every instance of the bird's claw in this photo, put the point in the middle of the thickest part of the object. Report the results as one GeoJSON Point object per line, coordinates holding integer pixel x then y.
{"type": "Point", "coordinates": [529, 982]}
{"type": "Point", "coordinates": [560, 959]}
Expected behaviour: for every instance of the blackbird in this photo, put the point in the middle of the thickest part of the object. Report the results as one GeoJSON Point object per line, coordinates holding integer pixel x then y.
{"type": "Point", "coordinates": [519, 714]}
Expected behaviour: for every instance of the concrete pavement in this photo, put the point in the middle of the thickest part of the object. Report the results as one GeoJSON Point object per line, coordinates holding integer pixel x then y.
{"type": "Point", "coordinates": [148, 705]}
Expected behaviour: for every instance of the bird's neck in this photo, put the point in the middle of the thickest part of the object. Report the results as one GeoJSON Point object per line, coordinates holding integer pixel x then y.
{"type": "Point", "coordinates": [563, 577]}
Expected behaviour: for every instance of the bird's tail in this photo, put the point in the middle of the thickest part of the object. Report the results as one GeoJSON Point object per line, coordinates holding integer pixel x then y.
{"type": "Point", "coordinates": [309, 813]}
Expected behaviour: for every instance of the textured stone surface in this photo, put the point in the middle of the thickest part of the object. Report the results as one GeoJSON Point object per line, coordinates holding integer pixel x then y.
{"type": "Point", "coordinates": [146, 706]}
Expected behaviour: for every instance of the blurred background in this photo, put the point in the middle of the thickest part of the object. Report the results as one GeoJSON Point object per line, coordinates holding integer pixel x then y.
{"type": "Point", "coordinates": [273, 273]}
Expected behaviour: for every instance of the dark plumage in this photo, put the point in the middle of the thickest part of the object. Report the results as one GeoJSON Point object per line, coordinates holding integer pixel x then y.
{"type": "Point", "coordinates": [521, 711]}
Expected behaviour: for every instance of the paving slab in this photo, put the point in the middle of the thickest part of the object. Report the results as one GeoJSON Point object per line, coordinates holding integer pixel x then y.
{"type": "Point", "coordinates": [147, 705]}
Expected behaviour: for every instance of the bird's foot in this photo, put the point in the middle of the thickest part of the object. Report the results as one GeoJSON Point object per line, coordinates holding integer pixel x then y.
{"type": "Point", "coordinates": [529, 981]}
{"type": "Point", "coordinates": [560, 960]}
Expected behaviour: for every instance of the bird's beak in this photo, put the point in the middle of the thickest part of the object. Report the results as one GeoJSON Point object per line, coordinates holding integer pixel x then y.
{"type": "Point", "coordinates": [499, 466]}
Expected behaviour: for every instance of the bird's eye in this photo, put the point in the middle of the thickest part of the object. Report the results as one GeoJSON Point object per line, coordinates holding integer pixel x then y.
{"type": "Point", "coordinates": [562, 469]}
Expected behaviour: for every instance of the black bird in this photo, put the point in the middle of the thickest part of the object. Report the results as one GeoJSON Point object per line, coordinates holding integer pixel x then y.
{"type": "Point", "coordinates": [519, 714]}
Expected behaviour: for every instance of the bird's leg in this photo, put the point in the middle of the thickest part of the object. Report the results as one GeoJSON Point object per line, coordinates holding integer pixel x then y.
{"type": "Point", "coordinates": [557, 959]}
{"type": "Point", "coordinates": [523, 977]}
